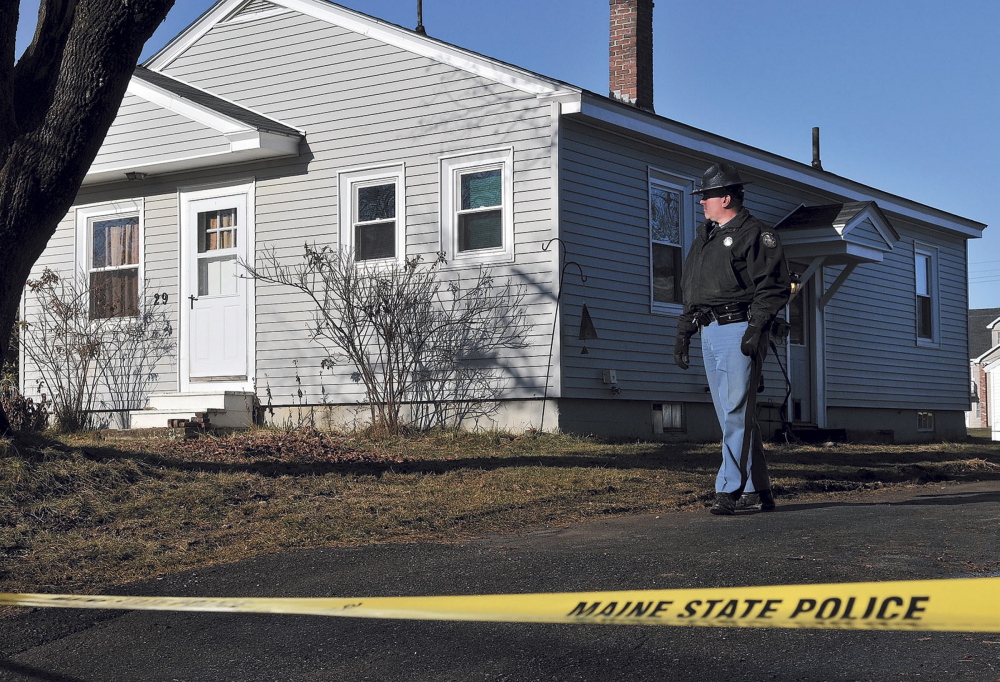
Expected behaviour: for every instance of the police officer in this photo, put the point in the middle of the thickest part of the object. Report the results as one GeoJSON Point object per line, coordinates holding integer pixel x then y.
{"type": "Point", "coordinates": [734, 282]}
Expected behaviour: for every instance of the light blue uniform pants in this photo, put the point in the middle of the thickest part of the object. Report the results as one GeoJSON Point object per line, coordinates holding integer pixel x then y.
{"type": "Point", "coordinates": [730, 374]}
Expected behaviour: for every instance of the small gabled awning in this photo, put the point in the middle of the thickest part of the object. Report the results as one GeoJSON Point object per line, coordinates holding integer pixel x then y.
{"type": "Point", "coordinates": [166, 126]}
{"type": "Point", "coordinates": [846, 234]}
{"type": "Point", "coordinates": [853, 232]}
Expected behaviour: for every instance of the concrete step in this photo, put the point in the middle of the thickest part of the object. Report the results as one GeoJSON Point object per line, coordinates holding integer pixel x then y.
{"type": "Point", "coordinates": [223, 400]}
{"type": "Point", "coordinates": [223, 409]}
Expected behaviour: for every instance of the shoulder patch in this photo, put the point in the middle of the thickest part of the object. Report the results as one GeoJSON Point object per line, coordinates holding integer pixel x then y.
{"type": "Point", "coordinates": [770, 241]}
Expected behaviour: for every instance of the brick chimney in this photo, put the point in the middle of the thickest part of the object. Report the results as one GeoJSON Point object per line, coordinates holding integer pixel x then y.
{"type": "Point", "coordinates": [631, 52]}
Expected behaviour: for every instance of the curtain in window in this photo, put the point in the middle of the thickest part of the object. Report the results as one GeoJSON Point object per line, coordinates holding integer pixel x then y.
{"type": "Point", "coordinates": [114, 277]}
{"type": "Point", "coordinates": [114, 293]}
{"type": "Point", "coordinates": [116, 242]}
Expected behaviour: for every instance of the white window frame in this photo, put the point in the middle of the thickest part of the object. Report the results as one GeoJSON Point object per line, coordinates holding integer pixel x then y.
{"type": "Point", "coordinates": [348, 181]}
{"type": "Point", "coordinates": [684, 185]}
{"type": "Point", "coordinates": [451, 168]}
{"type": "Point", "coordinates": [934, 293]}
{"type": "Point", "coordinates": [85, 215]}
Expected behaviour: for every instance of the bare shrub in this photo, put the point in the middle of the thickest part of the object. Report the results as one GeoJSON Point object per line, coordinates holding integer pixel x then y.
{"type": "Point", "coordinates": [76, 353]}
{"type": "Point", "coordinates": [23, 413]}
{"type": "Point", "coordinates": [62, 344]}
{"type": "Point", "coordinates": [412, 338]}
{"type": "Point", "coordinates": [130, 350]}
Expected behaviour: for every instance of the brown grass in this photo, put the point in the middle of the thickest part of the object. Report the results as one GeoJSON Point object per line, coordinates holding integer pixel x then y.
{"type": "Point", "coordinates": [81, 514]}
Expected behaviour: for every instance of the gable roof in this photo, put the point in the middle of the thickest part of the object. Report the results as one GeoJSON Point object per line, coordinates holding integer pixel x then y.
{"type": "Point", "coordinates": [980, 333]}
{"type": "Point", "coordinates": [212, 104]}
{"type": "Point", "coordinates": [418, 43]}
{"type": "Point", "coordinates": [574, 101]}
{"type": "Point", "coordinates": [225, 132]}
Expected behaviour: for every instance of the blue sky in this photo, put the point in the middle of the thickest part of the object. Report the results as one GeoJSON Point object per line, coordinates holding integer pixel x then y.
{"type": "Point", "coordinates": [906, 92]}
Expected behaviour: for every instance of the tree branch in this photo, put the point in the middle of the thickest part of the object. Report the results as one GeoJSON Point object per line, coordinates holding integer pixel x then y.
{"type": "Point", "coordinates": [8, 41]}
{"type": "Point", "coordinates": [37, 71]}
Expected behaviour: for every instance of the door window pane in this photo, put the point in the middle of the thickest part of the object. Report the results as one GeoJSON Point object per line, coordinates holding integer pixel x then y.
{"type": "Point", "coordinates": [217, 230]}
{"type": "Point", "coordinates": [797, 320]}
{"type": "Point", "coordinates": [217, 276]}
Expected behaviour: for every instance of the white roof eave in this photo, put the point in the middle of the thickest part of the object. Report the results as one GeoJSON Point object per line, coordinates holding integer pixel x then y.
{"type": "Point", "coordinates": [249, 145]}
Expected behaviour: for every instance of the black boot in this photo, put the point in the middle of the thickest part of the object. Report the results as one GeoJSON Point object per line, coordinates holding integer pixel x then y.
{"type": "Point", "coordinates": [724, 505]}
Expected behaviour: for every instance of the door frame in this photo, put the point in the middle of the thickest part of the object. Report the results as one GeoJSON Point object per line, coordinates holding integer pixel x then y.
{"type": "Point", "coordinates": [816, 334]}
{"type": "Point", "coordinates": [186, 285]}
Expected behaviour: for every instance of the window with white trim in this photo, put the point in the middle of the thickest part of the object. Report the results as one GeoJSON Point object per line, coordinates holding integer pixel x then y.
{"type": "Point", "coordinates": [109, 253]}
{"type": "Point", "coordinates": [671, 224]}
{"type": "Point", "coordinates": [926, 295]}
{"type": "Point", "coordinates": [476, 207]}
{"type": "Point", "coordinates": [372, 211]}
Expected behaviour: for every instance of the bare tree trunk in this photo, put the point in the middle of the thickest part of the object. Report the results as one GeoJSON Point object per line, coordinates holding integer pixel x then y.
{"type": "Point", "coordinates": [56, 105]}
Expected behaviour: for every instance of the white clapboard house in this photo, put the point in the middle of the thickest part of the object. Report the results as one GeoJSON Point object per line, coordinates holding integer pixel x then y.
{"type": "Point", "coordinates": [273, 114]}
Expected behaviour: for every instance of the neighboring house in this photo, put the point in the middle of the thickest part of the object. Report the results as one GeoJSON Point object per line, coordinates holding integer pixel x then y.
{"type": "Point", "coordinates": [264, 122]}
{"type": "Point", "coordinates": [984, 349]}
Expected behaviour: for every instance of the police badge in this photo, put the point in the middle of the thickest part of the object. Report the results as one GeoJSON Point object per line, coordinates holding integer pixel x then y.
{"type": "Point", "coordinates": [728, 241]}
{"type": "Point", "coordinates": [769, 240]}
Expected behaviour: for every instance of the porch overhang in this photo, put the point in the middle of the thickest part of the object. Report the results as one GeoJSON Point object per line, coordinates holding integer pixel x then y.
{"type": "Point", "coordinates": [846, 234]}
{"type": "Point", "coordinates": [842, 234]}
{"type": "Point", "coordinates": [228, 133]}
{"type": "Point", "coordinates": [240, 147]}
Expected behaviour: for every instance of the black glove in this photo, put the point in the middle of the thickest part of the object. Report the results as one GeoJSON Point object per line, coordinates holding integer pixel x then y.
{"type": "Point", "coordinates": [750, 345]}
{"type": "Point", "coordinates": [686, 328]}
{"type": "Point", "coordinates": [681, 347]}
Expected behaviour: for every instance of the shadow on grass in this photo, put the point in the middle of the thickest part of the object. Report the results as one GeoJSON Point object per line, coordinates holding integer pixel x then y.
{"type": "Point", "coordinates": [821, 469]}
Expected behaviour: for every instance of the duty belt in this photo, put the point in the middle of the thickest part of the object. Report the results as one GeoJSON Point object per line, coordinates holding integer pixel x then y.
{"type": "Point", "coordinates": [724, 314]}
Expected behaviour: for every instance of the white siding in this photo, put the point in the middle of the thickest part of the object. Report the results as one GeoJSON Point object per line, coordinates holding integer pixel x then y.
{"type": "Point", "coordinates": [364, 104]}
{"type": "Point", "coordinates": [157, 135]}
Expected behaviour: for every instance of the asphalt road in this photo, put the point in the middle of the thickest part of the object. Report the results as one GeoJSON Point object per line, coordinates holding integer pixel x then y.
{"type": "Point", "coordinates": [939, 531]}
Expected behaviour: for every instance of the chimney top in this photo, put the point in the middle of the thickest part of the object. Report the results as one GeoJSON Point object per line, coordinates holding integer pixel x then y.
{"type": "Point", "coordinates": [631, 52]}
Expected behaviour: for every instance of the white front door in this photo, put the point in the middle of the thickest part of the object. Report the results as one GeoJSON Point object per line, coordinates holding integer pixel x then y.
{"type": "Point", "coordinates": [216, 234]}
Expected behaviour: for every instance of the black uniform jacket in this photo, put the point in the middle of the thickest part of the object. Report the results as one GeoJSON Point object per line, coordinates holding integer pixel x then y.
{"type": "Point", "coordinates": [739, 262]}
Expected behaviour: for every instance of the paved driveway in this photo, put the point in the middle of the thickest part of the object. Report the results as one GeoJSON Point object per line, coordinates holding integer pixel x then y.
{"type": "Point", "coordinates": [939, 531]}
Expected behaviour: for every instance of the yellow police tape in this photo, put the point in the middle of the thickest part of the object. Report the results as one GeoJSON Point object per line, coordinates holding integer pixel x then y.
{"type": "Point", "coordinates": [971, 604]}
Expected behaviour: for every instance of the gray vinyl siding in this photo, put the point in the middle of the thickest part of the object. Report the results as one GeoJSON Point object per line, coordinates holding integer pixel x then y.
{"type": "Point", "coordinates": [873, 356]}
{"type": "Point", "coordinates": [144, 130]}
{"type": "Point", "coordinates": [365, 104]}
{"type": "Point", "coordinates": [605, 225]}
{"type": "Point", "coordinates": [159, 261]}
{"type": "Point", "coordinates": [865, 234]}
